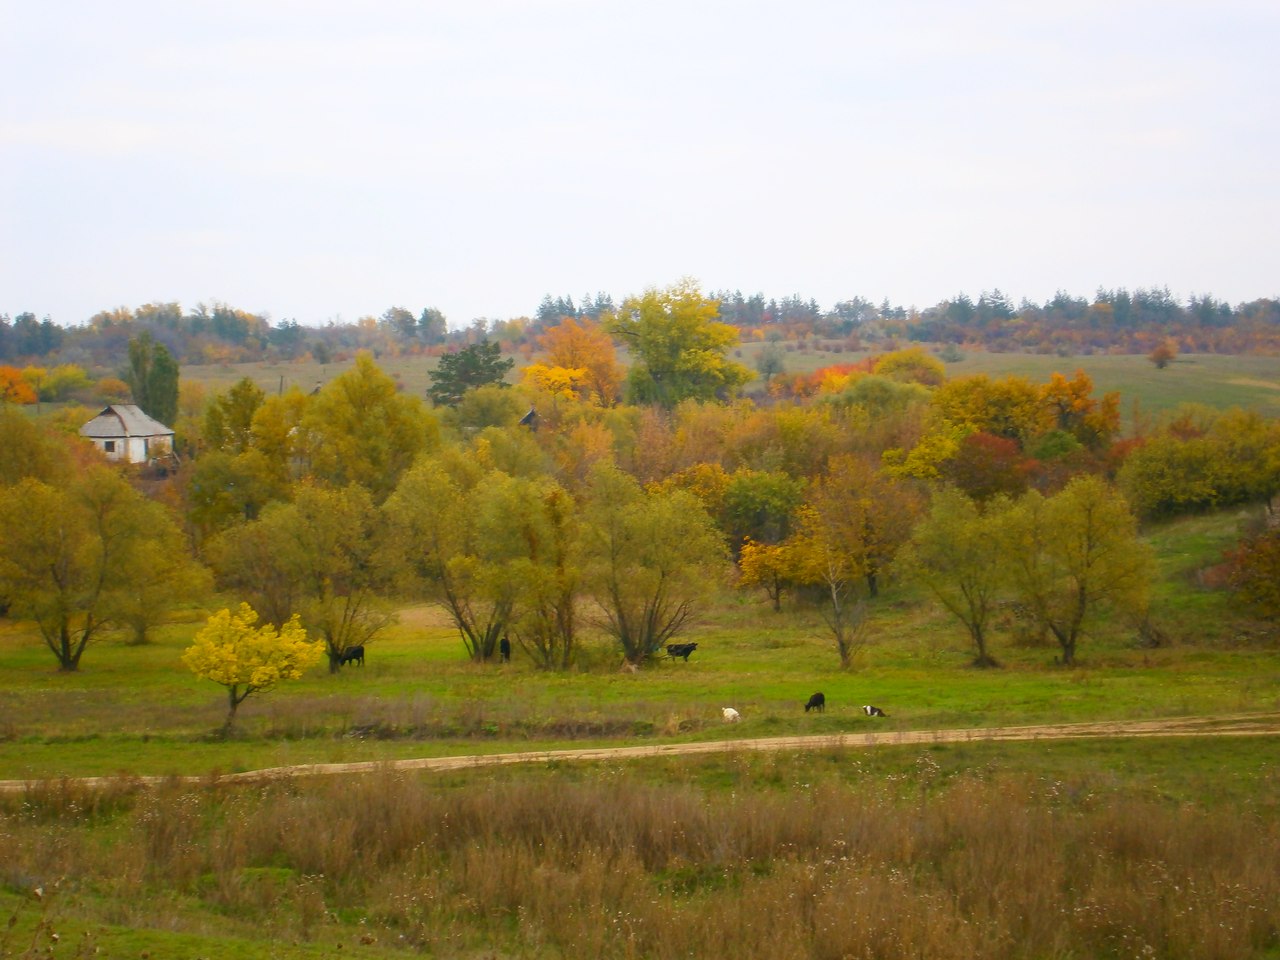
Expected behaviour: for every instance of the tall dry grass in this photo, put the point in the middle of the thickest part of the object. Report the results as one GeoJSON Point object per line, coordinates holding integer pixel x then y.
{"type": "Point", "coordinates": [605, 863]}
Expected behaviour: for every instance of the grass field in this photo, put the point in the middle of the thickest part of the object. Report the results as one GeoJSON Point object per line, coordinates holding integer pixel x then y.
{"type": "Point", "coordinates": [1218, 381]}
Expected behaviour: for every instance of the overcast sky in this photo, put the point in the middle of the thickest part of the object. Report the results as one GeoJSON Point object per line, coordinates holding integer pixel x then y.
{"type": "Point", "coordinates": [317, 160]}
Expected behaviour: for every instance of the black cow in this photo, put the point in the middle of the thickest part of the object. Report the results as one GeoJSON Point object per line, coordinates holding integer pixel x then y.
{"type": "Point", "coordinates": [352, 655]}
{"type": "Point", "coordinates": [871, 711]}
{"type": "Point", "coordinates": [504, 649]}
{"type": "Point", "coordinates": [681, 650]}
{"type": "Point", "coordinates": [816, 702]}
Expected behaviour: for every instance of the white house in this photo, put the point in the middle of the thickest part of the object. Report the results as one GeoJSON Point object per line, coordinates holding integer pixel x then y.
{"type": "Point", "coordinates": [123, 432]}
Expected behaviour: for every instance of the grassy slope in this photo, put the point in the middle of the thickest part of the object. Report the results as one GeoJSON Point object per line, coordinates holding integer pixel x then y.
{"type": "Point", "coordinates": [136, 709]}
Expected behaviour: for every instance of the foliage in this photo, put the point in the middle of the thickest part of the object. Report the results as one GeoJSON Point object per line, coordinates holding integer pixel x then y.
{"type": "Point", "coordinates": [14, 387]}
{"type": "Point", "coordinates": [912, 365]}
{"type": "Point", "coordinates": [585, 350]}
{"type": "Point", "coordinates": [71, 555]}
{"type": "Point", "coordinates": [360, 429]}
{"type": "Point", "coordinates": [152, 376]}
{"type": "Point", "coordinates": [766, 566]}
{"type": "Point", "coordinates": [1074, 556]}
{"type": "Point", "coordinates": [229, 417]}
{"type": "Point", "coordinates": [956, 552]}
{"type": "Point", "coordinates": [679, 347]}
{"type": "Point", "coordinates": [319, 557]}
{"type": "Point", "coordinates": [477, 365]}
{"type": "Point", "coordinates": [650, 560]}
{"type": "Point", "coordinates": [1255, 571]}
{"type": "Point", "coordinates": [246, 659]}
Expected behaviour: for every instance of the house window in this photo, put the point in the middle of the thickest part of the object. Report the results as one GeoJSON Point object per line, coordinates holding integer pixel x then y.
{"type": "Point", "coordinates": [109, 446]}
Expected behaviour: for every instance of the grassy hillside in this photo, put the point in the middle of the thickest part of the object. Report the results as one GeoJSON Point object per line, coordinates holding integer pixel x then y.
{"type": "Point", "coordinates": [137, 709]}
{"type": "Point", "coordinates": [1010, 851]}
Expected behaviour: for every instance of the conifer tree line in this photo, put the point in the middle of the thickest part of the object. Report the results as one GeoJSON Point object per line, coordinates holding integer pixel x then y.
{"type": "Point", "coordinates": [1117, 319]}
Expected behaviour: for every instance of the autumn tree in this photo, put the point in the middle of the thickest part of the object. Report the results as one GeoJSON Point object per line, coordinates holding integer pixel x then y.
{"type": "Point", "coordinates": [817, 557]}
{"type": "Point", "coordinates": [477, 365]}
{"type": "Point", "coordinates": [487, 547]}
{"type": "Point", "coordinates": [651, 558]}
{"type": "Point", "coordinates": [71, 555]}
{"type": "Point", "coordinates": [228, 420]}
{"type": "Point", "coordinates": [1254, 566]}
{"type": "Point", "coordinates": [585, 348]}
{"type": "Point", "coordinates": [956, 552]}
{"type": "Point", "coordinates": [766, 566]}
{"type": "Point", "coordinates": [1074, 557]}
{"type": "Point", "coordinates": [14, 388]}
{"type": "Point", "coordinates": [361, 429]}
{"type": "Point", "coordinates": [319, 557]}
{"type": "Point", "coordinates": [233, 651]}
{"type": "Point", "coordinates": [679, 347]}
{"type": "Point", "coordinates": [1164, 353]}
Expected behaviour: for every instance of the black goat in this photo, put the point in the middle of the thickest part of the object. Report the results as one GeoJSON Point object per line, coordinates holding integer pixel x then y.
{"type": "Point", "coordinates": [816, 702]}
{"type": "Point", "coordinates": [352, 655]}
{"type": "Point", "coordinates": [871, 711]}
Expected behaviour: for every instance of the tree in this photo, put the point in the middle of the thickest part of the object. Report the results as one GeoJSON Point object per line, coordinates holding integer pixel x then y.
{"type": "Point", "coordinates": [767, 566]}
{"type": "Point", "coordinates": [820, 560]}
{"type": "Point", "coordinates": [956, 552]}
{"type": "Point", "coordinates": [320, 557]}
{"type": "Point", "coordinates": [585, 346]}
{"type": "Point", "coordinates": [650, 559]}
{"type": "Point", "coordinates": [1164, 353]}
{"type": "Point", "coordinates": [153, 378]}
{"type": "Point", "coordinates": [679, 347]}
{"type": "Point", "coordinates": [478, 365]}
{"type": "Point", "coordinates": [229, 417]}
{"type": "Point", "coordinates": [70, 555]}
{"type": "Point", "coordinates": [14, 387]}
{"type": "Point", "coordinates": [360, 429]}
{"type": "Point", "coordinates": [246, 659]}
{"type": "Point", "coordinates": [1074, 556]}
{"type": "Point", "coordinates": [1255, 572]}
{"type": "Point", "coordinates": [433, 514]}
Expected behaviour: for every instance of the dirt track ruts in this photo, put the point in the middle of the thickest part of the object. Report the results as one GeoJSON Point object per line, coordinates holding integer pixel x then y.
{"type": "Point", "coordinates": [1242, 725]}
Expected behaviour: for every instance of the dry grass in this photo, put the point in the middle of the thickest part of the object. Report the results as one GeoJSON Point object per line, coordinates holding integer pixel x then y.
{"type": "Point", "coordinates": [606, 862]}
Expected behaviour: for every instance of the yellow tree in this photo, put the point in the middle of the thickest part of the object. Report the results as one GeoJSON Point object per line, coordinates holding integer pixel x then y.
{"type": "Point", "coordinates": [1074, 556]}
{"type": "Point", "coordinates": [587, 347]}
{"type": "Point", "coordinates": [245, 659]}
{"type": "Point", "coordinates": [767, 566]}
{"type": "Point", "coordinates": [679, 346]}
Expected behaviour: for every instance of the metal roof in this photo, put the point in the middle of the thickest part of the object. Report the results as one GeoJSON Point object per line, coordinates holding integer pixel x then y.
{"type": "Point", "coordinates": [123, 420]}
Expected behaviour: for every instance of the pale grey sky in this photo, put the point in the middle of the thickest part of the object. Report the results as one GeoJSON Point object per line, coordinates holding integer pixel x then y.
{"type": "Point", "coordinates": [316, 159]}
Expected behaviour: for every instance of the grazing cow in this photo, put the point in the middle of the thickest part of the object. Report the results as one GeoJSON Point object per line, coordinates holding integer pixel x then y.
{"type": "Point", "coordinates": [731, 715]}
{"type": "Point", "coordinates": [816, 702]}
{"type": "Point", "coordinates": [681, 650]}
{"type": "Point", "coordinates": [871, 711]}
{"type": "Point", "coordinates": [352, 655]}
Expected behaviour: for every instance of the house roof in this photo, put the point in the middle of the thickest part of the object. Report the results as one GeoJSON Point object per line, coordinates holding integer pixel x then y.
{"type": "Point", "coordinates": [123, 420]}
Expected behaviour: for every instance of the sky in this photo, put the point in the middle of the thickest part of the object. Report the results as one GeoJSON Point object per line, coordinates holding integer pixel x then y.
{"type": "Point", "coordinates": [316, 160]}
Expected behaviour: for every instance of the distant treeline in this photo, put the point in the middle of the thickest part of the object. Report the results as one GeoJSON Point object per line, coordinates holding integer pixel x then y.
{"type": "Point", "coordinates": [1112, 320]}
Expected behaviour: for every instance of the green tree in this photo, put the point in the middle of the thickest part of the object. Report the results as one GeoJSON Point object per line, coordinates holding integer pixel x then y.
{"type": "Point", "coordinates": [360, 429]}
{"type": "Point", "coordinates": [679, 347]}
{"type": "Point", "coordinates": [478, 365]}
{"type": "Point", "coordinates": [228, 420]}
{"type": "Point", "coordinates": [71, 555]}
{"type": "Point", "coordinates": [232, 651]}
{"type": "Point", "coordinates": [956, 552]}
{"type": "Point", "coordinates": [152, 377]}
{"type": "Point", "coordinates": [1075, 556]}
{"type": "Point", "coordinates": [651, 559]}
{"type": "Point", "coordinates": [320, 557]}
{"type": "Point", "coordinates": [455, 549]}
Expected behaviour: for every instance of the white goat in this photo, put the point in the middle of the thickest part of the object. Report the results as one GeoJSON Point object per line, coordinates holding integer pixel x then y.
{"type": "Point", "coordinates": [731, 715]}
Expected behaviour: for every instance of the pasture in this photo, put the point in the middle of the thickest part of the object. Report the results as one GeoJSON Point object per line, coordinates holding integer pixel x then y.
{"type": "Point", "coordinates": [1109, 848]}
{"type": "Point", "coordinates": [1251, 382]}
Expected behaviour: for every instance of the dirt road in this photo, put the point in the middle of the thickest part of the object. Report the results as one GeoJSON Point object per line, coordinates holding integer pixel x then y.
{"type": "Point", "coordinates": [1242, 725]}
